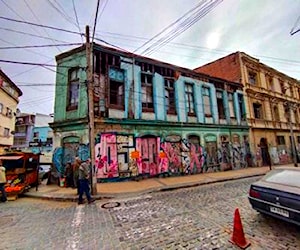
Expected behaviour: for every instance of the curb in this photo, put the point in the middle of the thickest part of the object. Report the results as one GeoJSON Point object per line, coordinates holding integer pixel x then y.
{"type": "Point", "coordinates": [147, 191]}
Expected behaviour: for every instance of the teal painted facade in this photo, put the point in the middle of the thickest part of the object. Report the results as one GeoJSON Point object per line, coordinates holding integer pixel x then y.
{"type": "Point", "coordinates": [132, 141]}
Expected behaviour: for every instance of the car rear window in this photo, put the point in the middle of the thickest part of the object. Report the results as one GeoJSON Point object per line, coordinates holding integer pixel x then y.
{"type": "Point", "coordinates": [284, 176]}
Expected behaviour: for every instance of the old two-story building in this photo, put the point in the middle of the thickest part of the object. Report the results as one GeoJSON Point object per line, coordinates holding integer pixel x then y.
{"type": "Point", "coordinates": [9, 99]}
{"type": "Point", "coordinates": [272, 102]}
{"type": "Point", "coordinates": [151, 118]}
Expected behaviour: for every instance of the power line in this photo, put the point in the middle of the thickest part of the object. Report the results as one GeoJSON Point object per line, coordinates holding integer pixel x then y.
{"type": "Point", "coordinates": [183, 26]}
{"type": "Point", "coordinates": [77, 22]}
{"type": "Point", "coordinates": [106, 1]}
{"type": "Point", "coordinates": [32, 35]}
{"type": "Point", "coordinates": [16, 13]}
{"type": "Point", "coordinates": [64, 15]}
{"type": "Point", "coordinates": [35, 16]}
{"type": "Point", "coordinates": [35, 64]}
{"type": "Point", "coordinates": [40, 46]}
{"type": "Point", "coordinates": [34, 52]}
{"type": "Point", "coordinates": [95, 22]}
{"type": "Point", "coordinates": [40, 25]}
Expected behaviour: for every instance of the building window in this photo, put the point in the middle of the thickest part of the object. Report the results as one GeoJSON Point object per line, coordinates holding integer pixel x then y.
{"type": "Point", "coordinates": [206, 102]}
{"type": "Point", "coordinates": [298, 139]}
{"type": "Point", "coordinates": [287, 113]}
{"type": "Point", "coordinates": [170, 96]}
{"type": "Point", "coordinates": [8, 112]}
{"type": "Point", "coordinates": [252, 77]}
{"type": "Point", "coordinates": [292, 91]}
{"type": "Point", "coordinates": [280, 140]}
{"type": "Point", "coordinates": [116, 88]}
{"type": "Point", "coordinates": [189, 99]}
{"type": "Point", "coordinates": [296, 116]}
{"type": "Point", "coordinates": [270, 83]}
{"type": "Point", "coordinates": [257, 108]}
{"type": "Point", "coordinates": [276, 113]}
{"type": "Point", "coordinates": [231, 105]}
{"type": "Point", "coordinates": [147, 92]}
{"type": "Point", "coordinates": [221, 109]}
{"type": "Point", "coordinates": [6, 132]}
{"type": "Point", "coordinates": [282, 87]}
{"type": "Point", "coordinates": [73, 89]}
{"type": "Point", "coordinates": [1, 108]}
{"type": "Point", "coordinates": [242, 107]}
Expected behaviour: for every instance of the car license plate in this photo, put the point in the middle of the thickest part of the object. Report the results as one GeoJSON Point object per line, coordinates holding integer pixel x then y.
{"type": "Point", "coordinates": [280, 211]}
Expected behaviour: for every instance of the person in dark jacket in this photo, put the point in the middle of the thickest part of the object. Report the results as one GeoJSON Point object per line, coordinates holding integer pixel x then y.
{"type": "Point", "coordinates": [84, 188]}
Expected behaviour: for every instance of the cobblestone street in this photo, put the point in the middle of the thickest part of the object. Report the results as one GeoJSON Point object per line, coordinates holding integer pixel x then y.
{"type": "Point", "coordinates": [192, 218]}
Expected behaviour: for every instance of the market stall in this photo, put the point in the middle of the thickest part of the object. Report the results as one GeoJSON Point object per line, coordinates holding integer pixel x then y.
{"type": "Point", "coordinates": [21, 172]}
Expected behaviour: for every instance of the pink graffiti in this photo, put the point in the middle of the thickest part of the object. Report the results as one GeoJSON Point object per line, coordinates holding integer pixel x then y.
{"type": "Point", "coordinates": [173, 154]}
{"type": "Point", "coordinates": [195, 156]}
{"type": "Point", "coordinates": [163, 165]}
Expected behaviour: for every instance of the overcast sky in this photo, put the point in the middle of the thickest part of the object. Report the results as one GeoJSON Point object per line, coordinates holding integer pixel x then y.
{"type": "Point", "coordinates": [260, 28]}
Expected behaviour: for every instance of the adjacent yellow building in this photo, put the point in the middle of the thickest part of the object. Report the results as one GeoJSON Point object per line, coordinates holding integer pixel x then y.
{"type": "Point", "coordinates": [9, 99]}
{"type": "Point", "coordinates": [272, 103]}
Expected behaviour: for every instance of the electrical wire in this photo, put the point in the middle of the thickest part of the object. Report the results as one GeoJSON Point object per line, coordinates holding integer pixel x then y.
{"type": "Point", "coordinates": [36, 64]}
{"type": "Point", "coordinates": [30, 51]}
{"type": "Point", "coordinates": [32, 35]}
{"type": "Point", "coordinates": [40, 46]}
{"type": "Point", "coordinates": [106, 1]}
{"type": "Point", "coordinates": [77, 22]}
{"type": "Point", "coordinates": [183, 26]}
{"type": "Point", "coordinates": [64, 15]}
{"type": "Point", "coordinates": [95, 22]}
{"type": "Point", "coordinates": [40, 25]}
{"type": "Point", "coordinates": [16, 13]}
{"type": "Point", "coordinates": [35, 16]}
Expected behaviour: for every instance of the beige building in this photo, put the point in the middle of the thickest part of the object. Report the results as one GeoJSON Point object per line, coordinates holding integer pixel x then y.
{"type": "Point", "coordinates": [9, 99]}
{"type": "Point", "coordinates": [272, 102]}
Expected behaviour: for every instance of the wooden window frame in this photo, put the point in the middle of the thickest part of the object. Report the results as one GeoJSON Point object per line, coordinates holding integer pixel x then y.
{"type": "Point", "coordinates": [220, 105]}
{"type": "Point", "coordinates": [260, 110]}
{"type": "Point", "coordinates": [146, 106]}
{"type": "Point", "coordinates": [73, 83]}
{"type": "Point", "coordinates": [190, 100]}
{"type": "Point", "coordinates": [121, 105]}
{"type": "Point", "coordinates": [169, 84]}
{"type": "Point", "coordinates": [209, 98]}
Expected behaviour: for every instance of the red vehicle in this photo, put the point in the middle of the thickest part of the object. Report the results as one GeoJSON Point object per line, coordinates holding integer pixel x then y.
{"type": "Point", "coordinates": [21, 171]}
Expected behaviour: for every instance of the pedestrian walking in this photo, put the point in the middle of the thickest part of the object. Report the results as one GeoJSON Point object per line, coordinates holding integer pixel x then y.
{"type": "Point", "coordinates": [76, 166]}
{"type": "Point", "coordinates": [84, 187]}
{"type": "Point", "coordinates": [2, 182]}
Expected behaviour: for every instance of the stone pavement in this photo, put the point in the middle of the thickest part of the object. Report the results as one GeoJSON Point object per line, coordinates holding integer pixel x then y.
{"type": "Point", "coordinates": [129, 188]}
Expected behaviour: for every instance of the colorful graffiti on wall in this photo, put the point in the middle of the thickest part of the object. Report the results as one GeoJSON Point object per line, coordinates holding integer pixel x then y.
{"type": "Point", "coordinates": [127, 156]}
{"type": "Point", "coordinates": [119, 155]}
{"type": "Point", "coordinates": [63, 155]}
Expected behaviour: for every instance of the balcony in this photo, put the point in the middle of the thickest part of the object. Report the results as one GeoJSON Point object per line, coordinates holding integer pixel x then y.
{"type": "Point", "coordinates": [261, 123]}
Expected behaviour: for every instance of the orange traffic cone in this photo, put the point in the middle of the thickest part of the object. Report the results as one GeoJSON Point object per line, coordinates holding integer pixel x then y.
{"type": "Point", "coordinates": [238, 237]}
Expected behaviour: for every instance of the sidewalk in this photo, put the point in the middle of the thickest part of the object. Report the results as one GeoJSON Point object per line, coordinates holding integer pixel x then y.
{"type": "Point", "coordinates": [127, 188]}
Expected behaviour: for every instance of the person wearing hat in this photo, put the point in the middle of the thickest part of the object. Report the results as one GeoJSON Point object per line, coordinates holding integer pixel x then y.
{"type": "Point", "coordinates": [2, 182]}
{"type": "Point", "coordinates": [84, 175]}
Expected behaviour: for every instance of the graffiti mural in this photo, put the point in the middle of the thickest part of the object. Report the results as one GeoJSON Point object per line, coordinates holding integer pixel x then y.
{"type": "Point", "coordinates": [122, 156]}
{"type": "Point", "coordinates": [63, 155]}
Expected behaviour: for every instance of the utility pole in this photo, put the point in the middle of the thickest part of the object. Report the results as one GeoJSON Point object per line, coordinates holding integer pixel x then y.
{"type": "Point", "coordinates": [90, 95]}
{"type": "Point", "coordinates": [292, 136]}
